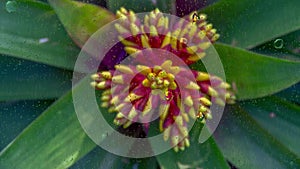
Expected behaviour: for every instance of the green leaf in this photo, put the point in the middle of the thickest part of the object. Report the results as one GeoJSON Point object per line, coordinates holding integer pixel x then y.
{"type": "Point", "coordinates": [256, 75]}
{"type": "Point", "coordinates": [205, 155]}
{"type": "Point", "coordinates": [81, 20]}
{"type": "Point", "coordinates": [280, 118]}
{"type": "Point", "coordinates": [30, 30]}
{"type": "Point", "coordinates": [291, 94]}
{"type": "Point", "coordinates": [15, 116]}
{"type": "Point", "coordinates": [99, 158]}
{"type": "Point", "coordinates": [137, 6]}
{"type": "Point", "coordinates": [247, 145]}
{"type": "Point", "coordinates": [249, 23]}
{"type": "Point", "coordinates": [284, 47]}
{"type": "Point", "coordinates": [54, 140]}
{"type": "Point", "coordinates": [21, 79]}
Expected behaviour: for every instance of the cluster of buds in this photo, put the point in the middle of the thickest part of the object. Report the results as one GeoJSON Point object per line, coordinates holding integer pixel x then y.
{"type": "Point", "coordinates": [165, 90]}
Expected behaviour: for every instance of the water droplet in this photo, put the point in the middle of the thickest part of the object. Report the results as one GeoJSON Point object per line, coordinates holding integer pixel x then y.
{"type": "Point", "coordinates": [11, 6]}
{"type": "Point", "coordinates": [278, 43]}
{"type": "Point", "coordinates": [43, 40]}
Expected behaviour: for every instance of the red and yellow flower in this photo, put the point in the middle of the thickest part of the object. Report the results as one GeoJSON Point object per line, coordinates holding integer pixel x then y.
{"type": "Point", "coordinates": [133, 91]}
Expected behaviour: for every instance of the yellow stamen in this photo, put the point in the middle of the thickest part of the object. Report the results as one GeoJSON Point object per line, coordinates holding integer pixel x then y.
{"type": "Point", "coordinates": [173, 85]}
{"type": "Point", "coordinates": [124, 69]}
{"type": "Point", "coordinates": [131, 50]}
{"type": "Point", "coordinates": [215, 37]}
{"type": "Point", "coordinates": [120, 106]}
{"type": "Point", "coordinates": [120, 115]}
{"type": "Point", "coordinates": [220, 102]}
{"type": "Point", "coordinates": [202, 34]}
{"type": "Point", "coordinates": [204, 45]}
{"type": "Point", "coordinates": [192, 49]}
{"type": "Point", "coordinates": [146, 83]}
{"type": "Point", "coordinates": [185, 116]}
{"type": "Point", "coordinates": [161, 22]}
{"type": "Point", "coordinates": [93, 84]}
{"type": "Point", "coordinates": [143, 69]}
{"type": "Point", "coordinates": [166, 64]}
{"type": "Point", "coordinates": [121, 29]}
{"type": "Point", "coordinates": [106, 74]}
{"type": "Point", "coordinates": [186, 142]}
{"type": "Point", "coordinates": [163, 112]}
{"type": "Point", "coordinates": [192, 86]}
{"type": "Point", "coordinates": [175, 140]}
{"type": "Point", "coordinates": [101, 85]}
{"type": "Point", "coordinates": [95, 76]}
{"type": "Point", "coordinates": [192, 112]}
{"type": "Point", "coordinates": [148, 106]}
{"type": "Point", "coordinates": [132, 97]}
{"type": "Point", "coordinates": [202, 76]}
{"type": "Point", "coordinates": [105, 98]}
{"type": "Point", "coordinates": [188, 101]}
{"type": "Point", "coordinates": [179, 120]}
{"type": "Point", "coordinates": [208, 27]}
{"type": "Point", "coordinates": [166, 40]}
{"type": "Point", "coordinates": [118, 79]}
{"type": "Point", "coordinates": [114, 100]}
{"type": "Point", "coordinates": [153, 31]}
{"type": "Point", "coordinates": [196, 57]}
{"type": "Point", "coordinates": [166, 133]}
{"type": "Point", "coordinates": [202, 109]}
{"type": "Point", "coordinates": [145, 43]}
{"type": "Point", "coordinates": [174, 69]}
{"type": "Point", "coordinates": [132, 113]}
{"type": "Point", "coordinates": [205, 101]}
{"type": "Point", "coordinates": [105, 104]}
{"type": "Point", "coordinates": [212, 92]}
{"type": "Point", "coordinates": [127, 124]}
{"type": "Point", "coordinates": [126, 42]}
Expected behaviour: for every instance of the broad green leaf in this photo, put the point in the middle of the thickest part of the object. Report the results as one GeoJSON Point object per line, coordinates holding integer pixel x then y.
{"type": "Point", "coordinates": [280, 118]}
{"type": "Point", "coordinates": [81, 20]}
{"type": "Point", "coordinates": [291, 94]}
{"type": "Point", "coordinates": [205, 155]}
{"type": "Point", "coordinates": [21, 79]}
{"type": "Point", "coordinates": [137, 6]}
{"type": "Point", "coordinates": [53, 140]}
{"type": "Point", "coordinates": [255, 75]}
{"type": "Point", "coordinates": [285, 47]}
{"type": "Point", "coordinates": [15, 116]}
{"type": "Point", "coordinates": [247, 145]}
{"type": "Point", "coordinates": [249, 23]}
{"type": "Point", "coordinates": [31, 30]}
{"type": "Point", "coordinates": [101, 159]}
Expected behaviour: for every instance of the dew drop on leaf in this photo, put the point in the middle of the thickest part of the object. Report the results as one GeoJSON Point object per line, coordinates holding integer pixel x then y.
{"type": "Point", "coordinates": [11, 6]}
{"type": "Point", "coordinates": [278, 43]}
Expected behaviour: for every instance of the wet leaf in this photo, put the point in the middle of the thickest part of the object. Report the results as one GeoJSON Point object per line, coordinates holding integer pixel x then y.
{"type": "Point", "coordinates": [22, 79]}
{"type": "Point", "coordinates": [255, 75]}
{"type": "Point", "coordinates": [205, 155]}
{"type": "Point", "coordinates": [16, 115]}
{"type": "Point", "coordinates": [250, 23]}
{"type": "Point", "coordinates": [280, 118]}
{"type": "Point", "coordinates": [247, 145]}
{"type": "Point", "coordinates": [101, 159]}
{"type": "Point", "coordinates": [81, 20]}
{"type": "Point", "coordinates": [32, 31]}
{"type": "Point", "coordinates": [167, 6]}
{"type": "Point", "coordinates": [54, 140]}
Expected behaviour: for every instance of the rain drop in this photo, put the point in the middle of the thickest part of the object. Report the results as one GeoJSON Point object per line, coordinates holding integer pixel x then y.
{"type": "Point", "coordinates": [278, 43]}
{"type": "Point", "coordinates": [11, 6]}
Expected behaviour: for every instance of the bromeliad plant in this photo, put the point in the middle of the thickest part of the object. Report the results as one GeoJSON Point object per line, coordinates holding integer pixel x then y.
{"type": "Point", "coordinates": [142, 96]}
{"type": "Point", "coordinates": [261, 130]}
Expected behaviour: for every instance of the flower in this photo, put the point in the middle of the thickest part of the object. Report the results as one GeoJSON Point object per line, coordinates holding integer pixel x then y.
{"type": "Point", "coordinates": [158, 86]}
{"type": "Point", "coordinates": [176, 39]}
